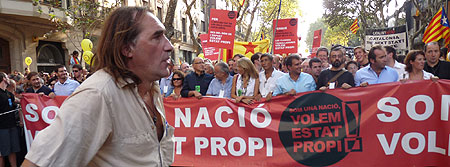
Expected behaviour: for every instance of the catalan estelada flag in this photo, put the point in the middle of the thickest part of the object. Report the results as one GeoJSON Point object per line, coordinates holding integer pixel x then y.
{"type": "Point", "coordinates": [249, 48]}
{"type": "Point", "coordinates": [438, 28]}
{"type": "Point", "coordinates": [262, 36]}
{"type": "Point", "coordinates": [354, 27]}
{"type": "Point", "coordinates": [241, 2]}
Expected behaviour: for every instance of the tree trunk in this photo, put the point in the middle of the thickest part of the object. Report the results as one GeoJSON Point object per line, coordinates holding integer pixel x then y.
{"type": "Point", "coordinates": [195, 43]}
{"type": "Point", "coordinates": [249, 29]}
{"type": "Point", "coordinates": [170, 16]}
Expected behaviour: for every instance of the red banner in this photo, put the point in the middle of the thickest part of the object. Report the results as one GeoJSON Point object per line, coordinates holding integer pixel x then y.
{"type": "Point", "coordinates": [394, 124]}
{"type": "Point", "coordinates": [316, 42]}
{"type": "Point", "coordinates": [222, 25]}
{"type": "Point", "coordinates": [211, 53]}
{"type": "Point", "coordinates": [286, 36]}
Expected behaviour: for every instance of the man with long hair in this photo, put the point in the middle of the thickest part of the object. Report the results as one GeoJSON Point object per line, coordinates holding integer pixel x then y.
{"type": "Point", "coordinates": [121, 121]}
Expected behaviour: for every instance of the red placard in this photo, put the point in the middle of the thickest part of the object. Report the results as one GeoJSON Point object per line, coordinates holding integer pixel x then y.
{"type": "Point", "coordinates": [286, 36]}
{"type": "Point", "coordinates": [378, 125]}
{"type": "Point", "coordinates": [316, 42]}
{"type": "Point", "coordinates": [222, 25]}
{"type": "Point", "coordinates": [211, 53]}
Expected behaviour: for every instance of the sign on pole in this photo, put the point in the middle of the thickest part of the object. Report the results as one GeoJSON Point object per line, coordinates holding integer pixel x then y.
{"type": "Point", "coordinates": [391, 36]}
{"type": "Point", "coordinates": [222, 25]}
{"type": "Point", "coordinates": [286, 40]}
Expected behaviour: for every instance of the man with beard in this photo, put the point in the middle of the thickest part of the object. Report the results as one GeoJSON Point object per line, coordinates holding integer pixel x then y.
{"type": "Point", "coordinates": [336, 76]}
{"type": "Point", "coordinates": [196, 83]}
{"type": "Point", "coordinates": [377, 72]}
{"type": "Point", "coordinates": [37, 86]}
{"type": "Point", "coordinates": [64, 86]}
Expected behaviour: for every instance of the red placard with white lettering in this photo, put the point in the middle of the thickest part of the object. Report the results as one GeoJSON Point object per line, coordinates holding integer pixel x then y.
{"type": "Point", "coordinates": [211, 53]}
{"type": "Point", "coordinates": [286, 36]}
{"type": "Point", "coordinates": [222, 25]}
{"type": "Point", "coordinates": [316, 42]}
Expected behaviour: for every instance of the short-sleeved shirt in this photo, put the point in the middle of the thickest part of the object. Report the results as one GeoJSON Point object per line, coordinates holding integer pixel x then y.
{"type": "Point", "coordinates": [216, 86]}
{"type": "Point", "coordinates": [304, 83]}
{"type": "Point", "coordinates": [367, 74]}
{"type": "Point", "coordinates": [165, 85]}
{"type": "Point", "coordinates": [426, 75]}
{"type": "Point", "coordinates": [44, 89]}
{"type": "Point", "coordinates": [268, 85]}
{"type": "Point", "coordinates": [112, 127]}
{"type": "Point", "coordinates": [326, 75]}
{"type": "Point", "coordinates": [66, 88]}
{"type": "Point", "coordinates": [192, 80]}
{"type": "Point", "coordinates": [441, 70]}
{"type": "Point", "coordinates": [7, 104]}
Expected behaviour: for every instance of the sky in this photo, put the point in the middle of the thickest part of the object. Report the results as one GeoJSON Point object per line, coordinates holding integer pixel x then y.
{"type": "Point", "coordinates": [312, 10]}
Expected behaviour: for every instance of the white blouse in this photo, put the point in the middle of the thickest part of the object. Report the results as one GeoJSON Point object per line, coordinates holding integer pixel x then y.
{"type": "Point", "coordinates": [426, 75]}
{"type": "Point", "coordinates": [248, 91]}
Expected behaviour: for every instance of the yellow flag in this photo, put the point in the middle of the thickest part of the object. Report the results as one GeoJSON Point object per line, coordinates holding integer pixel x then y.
{"type": "Point", "coordinates": [249, 48]}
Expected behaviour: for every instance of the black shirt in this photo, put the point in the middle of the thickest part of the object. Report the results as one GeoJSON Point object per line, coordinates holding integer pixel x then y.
{"type": "Point", "coordinates": [327, 74]}
{"type": "Point", "coordinates": [191, 80]}
{"type": "Point", "coordinates": [7, 104]}
{"type": "Point", "coordinates": [44, 89]}
{"type": "Point", "coordinates": [441, 69]}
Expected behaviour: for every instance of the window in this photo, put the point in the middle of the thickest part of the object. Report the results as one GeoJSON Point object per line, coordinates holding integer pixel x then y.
{"type": "Point", "coordinates": [187, 55]}
{"type": "Point", "coordinates": [202, 5]}
{"type": "Point", "coordinates": [203, 26]}
{"type": "Point", "coordinates": [183, 29]}
{"type": "Point", "coordinates": [160, 14]}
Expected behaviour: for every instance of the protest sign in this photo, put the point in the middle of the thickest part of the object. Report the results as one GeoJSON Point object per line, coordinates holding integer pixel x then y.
{"type": "Point", "coordinates": [392, 36]}
{"type": "Point", "coordinates": [222, 25]}
{"type": "Point", "coordinates": [316, 42]}
{"type": "Point", "coordinates": [286, 39]}
{"type": "Point", "coordinates": [379, 125]}
{"type": "Point", "coordinates": [211, 53]}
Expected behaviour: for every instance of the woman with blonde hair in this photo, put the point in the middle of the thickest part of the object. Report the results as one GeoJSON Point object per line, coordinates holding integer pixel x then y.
{"type": "Point", "coordinates": [246, 83]}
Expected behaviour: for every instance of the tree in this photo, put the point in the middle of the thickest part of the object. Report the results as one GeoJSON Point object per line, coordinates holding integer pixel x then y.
{"type": "Point", "coordinates": [170, 16]}
{"type": "Point", "coordinates": [194, 40]}
{"type": "Point", "coordinates": [82, 17]}
{"type": "Point", "coordinates": [317, 25]}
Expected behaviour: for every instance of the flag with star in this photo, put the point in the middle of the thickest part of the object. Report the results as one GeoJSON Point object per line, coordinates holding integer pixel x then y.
{"type": "Point", "coordinates": [249, 48]}
{"type": "Point", "coordinates": [438, 28]}
{"type": "Point", "coordinates": [354, 27]}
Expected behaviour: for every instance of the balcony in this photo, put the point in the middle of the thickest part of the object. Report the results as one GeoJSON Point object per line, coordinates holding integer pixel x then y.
{"type": "Point", "coordinates": [26, 8]}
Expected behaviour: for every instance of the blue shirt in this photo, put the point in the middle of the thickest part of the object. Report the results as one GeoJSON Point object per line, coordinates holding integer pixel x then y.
{"type": "Point", "coordinates": [191, 80]}
{"type": "Point", "coordinates": [166, 82]}
{"type": "Point", "coordinates": [304, 83]}
{"type": "Point", "coordinates": [367, 74]}
{"type": "Point", "coordinates": [66, 88]}
{"type": "Point", "coordinates": [216, 86]}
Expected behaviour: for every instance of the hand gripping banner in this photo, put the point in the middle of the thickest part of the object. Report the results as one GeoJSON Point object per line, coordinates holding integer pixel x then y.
{"type": "Point", "coordinates": [395, 124]}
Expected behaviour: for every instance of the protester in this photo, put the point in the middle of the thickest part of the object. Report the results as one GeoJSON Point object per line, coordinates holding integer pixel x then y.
{"type": "Point", "coordinates": [377, 72]}
{"type": "Point", "coordinates": [434, 66]}
{"type": "Point", "coordinates": [391, 55]}
{"type": "Point", "coordinates": [74, 59]}
{"type": "Point", "coordinates": [196, 83]}
{"type": "Point", "coordinates": [64, 86]}
{"type": "Point", "coordinates": [220, 86]}
{"type": "Point", "coordinates": [277, 61]}
{"type": "Point", "coordinates": [209, 69]}
{"type": "Point", "coordinates": [9, 135]}
{"type": "Point", "coordinates": [231, 63]}
{"type": "Point", "coordinates": [268, 77]}
{"type": "Point", "coordinates": [185, 67]}
{"type": "Point", "coordinates": [296, 81]}
{"type": "Point", "coordinates": [116, 118]}
{"type": "Point", "coordinates": [316, 67]}
{"type": "Point", "coordinates": [352, 67]}
{"type": "Point", "coordinates": [78, 73]}
{"type": "Point", "coordinates": [322, 54]}
{"type": "Point", "coordinates": [305, 66]}
{"type": "Point", "coordinates": [236, 57]}
{"type": "Point", "coordinates": [361, 57]}
{"type": "Point", "coordinates": [176, 85]}
{"type": "Point", "coordinates": [415, 62]}
{"type": "Point", "coordinates": [336, 76]}
{"type": "Point", "coordinates": [165, 83]}
{"type": "Point", "coordinates": [38, 86]}
{"type": "Point", "coordinates": [255, 60]}
{"type": "Point", "coordinates": [246, 83]}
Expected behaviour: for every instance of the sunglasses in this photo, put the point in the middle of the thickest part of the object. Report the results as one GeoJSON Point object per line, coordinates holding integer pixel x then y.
{"type": "Point", "coordinates": [176, 79]}
{"type": "Point", "coordinates": [75, 70]}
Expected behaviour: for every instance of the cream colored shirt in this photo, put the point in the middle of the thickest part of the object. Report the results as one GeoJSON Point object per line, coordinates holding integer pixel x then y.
{"type": "Point", "coordinates": [104, 123]}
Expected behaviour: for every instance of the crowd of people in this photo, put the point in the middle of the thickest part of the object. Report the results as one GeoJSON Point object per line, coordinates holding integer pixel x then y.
{"type": "Point", "coordinates": [266, 75]}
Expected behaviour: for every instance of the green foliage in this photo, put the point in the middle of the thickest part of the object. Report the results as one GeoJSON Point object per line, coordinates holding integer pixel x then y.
{"type": "Point", "coordinates": [317, 25]}
{"type": "Point", "coordinates": [269, 11]}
